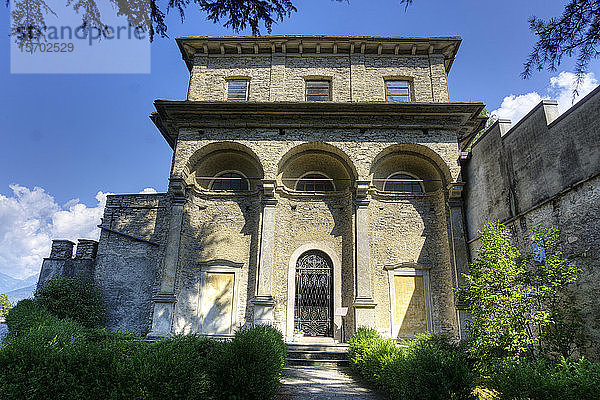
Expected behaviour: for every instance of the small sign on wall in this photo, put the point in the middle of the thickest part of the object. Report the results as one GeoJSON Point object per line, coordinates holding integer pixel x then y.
{"type": "Point", "coordinates": [341, 311]}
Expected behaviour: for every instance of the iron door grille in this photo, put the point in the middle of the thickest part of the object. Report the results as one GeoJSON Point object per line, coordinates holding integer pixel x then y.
{"type": "Point", "coordinates": [313, 308]}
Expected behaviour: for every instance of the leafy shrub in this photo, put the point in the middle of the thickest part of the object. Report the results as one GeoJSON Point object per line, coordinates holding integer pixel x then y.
{"type": "Point", "coordinates": [430, 367]}
{"type": "Point", "coordinates": [45, 357]}
{"type": "Point", "coordinates": [369, 353]}
{"type": "Point", "coordinates": [5, 305]}
{"type": "Point", "coordinates": [26, 314]}
{"type": "Point", "coordinates": [545, 379]}
{"type": "Point", "coordinates": [248, 367]}
{"type": "Point", "coordinates": [73, 298]}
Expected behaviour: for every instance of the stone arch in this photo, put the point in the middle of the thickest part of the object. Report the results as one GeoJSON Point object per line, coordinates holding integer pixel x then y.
{"type": "Point", "coordinates": [414, 159]}
{"type": "Point", "coordinates": [218, 157]}
{"type": "Point", "coordinates": [291, 286]}
{"type": "Point", "coordinates": [316, 157]}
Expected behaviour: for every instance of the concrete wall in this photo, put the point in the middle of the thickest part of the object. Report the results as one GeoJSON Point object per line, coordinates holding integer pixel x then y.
{"type": "Point", "coordinates": [127, 269]}
{"type": "Point", "coordinates": [544, 171]}
{"type": "Point", "coordinates": [281, 77]}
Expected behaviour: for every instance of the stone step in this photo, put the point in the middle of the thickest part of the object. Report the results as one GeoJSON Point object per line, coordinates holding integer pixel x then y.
{"type": "Point", "coordinates": [319, 363]}
{"type": "Point", "coordinates": [332, 348]}
{"type": "Point", "coordinates": [317, 355]}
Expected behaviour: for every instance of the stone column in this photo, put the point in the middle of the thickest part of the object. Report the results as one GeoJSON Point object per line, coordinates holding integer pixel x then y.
{"type": "Point", "coordinates": [459, 256]}
{"type": "Point", "coordinates": [164, 301]}
{"type": "Point", "coordinates": [263, 302]}
{"type": "Point", "coordinates": [364, 305]}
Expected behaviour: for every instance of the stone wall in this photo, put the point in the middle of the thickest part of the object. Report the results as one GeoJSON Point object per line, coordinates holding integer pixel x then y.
{"type": "Point", "coordinates": [544, 171]}
{"type": "Point", "coordinates": [129, 257]}
{"type": "Point", "coordinates": [281, 77]}
{"type": "Point", "coordinates": [62, 261]}
{"type": "Point", "coordinates": [402, 228]}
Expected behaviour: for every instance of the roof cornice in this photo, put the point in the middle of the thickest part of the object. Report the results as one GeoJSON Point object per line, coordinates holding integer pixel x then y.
{"type": "Point", "coordinates": [315, 45]}
{"type": "Point", "coordinates": [170, 116]}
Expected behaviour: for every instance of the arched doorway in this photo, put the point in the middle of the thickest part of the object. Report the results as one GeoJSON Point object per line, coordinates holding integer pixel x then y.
{"type": "Point", "coordinates": [313, 306]}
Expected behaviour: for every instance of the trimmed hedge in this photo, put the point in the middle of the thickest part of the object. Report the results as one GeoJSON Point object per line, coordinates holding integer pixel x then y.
{"type": "Point", "coordinates": [45, 357]}
{"type": "Point", "coordinates": [430, 367]}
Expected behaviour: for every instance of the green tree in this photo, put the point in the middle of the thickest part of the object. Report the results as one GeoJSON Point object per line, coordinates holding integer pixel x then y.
{"type": "Point", "coordinates": [5, 305]}
{"type": "Point", "coordinates": [515, 300]}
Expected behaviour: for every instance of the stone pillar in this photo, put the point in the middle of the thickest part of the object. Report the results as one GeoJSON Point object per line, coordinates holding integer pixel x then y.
{"type": "Point", "coordinates": [62, 249]}
{"type": "Point", "coordinates": [263, 302]}
{"type": "Point", "coordinates": [86, 249]}
{"type": "Point", "coordinates": [164, 301]}
{"type": "Point", "coordinates": [364, 305]}
{"type": "Point", "coordinates": [459, 256]}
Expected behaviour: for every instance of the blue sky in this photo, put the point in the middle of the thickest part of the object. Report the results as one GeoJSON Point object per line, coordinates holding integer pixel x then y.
{"type": "Point", "coordinates": [75, 135]}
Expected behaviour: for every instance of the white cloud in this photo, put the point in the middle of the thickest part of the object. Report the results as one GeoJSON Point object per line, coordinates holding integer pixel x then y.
{"type": "Point", "coordinates": [515, 107]}
{"type": "Point", "coordinates": [30, 219]}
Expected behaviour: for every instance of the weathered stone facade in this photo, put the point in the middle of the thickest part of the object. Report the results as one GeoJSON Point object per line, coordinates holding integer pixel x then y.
{"type": "Point", "coordinates": [200, 259]}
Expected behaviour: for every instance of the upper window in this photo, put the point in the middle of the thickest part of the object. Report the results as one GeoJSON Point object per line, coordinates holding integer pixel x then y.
{"type": "Point", "coordinates": [231, 182]}
{"type": "Point", "coordinates": [318, 90]}
{"type": "Point", "coordinates": [403, 183]}
{"type": "Point", "coordinates": [315, 183]}
{"type": "Point", "coordinates": [397, 90]}
{"type": "Point", "coordinates": [237, 90]}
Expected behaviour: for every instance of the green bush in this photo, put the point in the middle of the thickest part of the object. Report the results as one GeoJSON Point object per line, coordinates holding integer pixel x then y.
{"type": "Point", "coordinates": [26, 314]}
{"type": "Point", "coordinates": [45, 357]}
{"type": "Point", "coordinates": [5, 305]}
{"type": "Point", "coordinates": [369, 354]}
{"type": "Point", "coordinates": [430, 367]}
{"type": "Point", "coordinates": [73, 298]}
{"type": "Point", "coordinates": [545, 379]}
{"type": "Point", "coordinates": [248, 367]}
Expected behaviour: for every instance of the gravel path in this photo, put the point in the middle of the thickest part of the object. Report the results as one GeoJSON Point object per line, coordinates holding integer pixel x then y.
{"type": "Point", "coordinates": [316, 383]}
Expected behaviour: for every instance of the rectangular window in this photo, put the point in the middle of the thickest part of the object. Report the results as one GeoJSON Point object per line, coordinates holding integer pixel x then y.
{"type": "Point", "coordinates": [237, 90]}
{"type": "Point", "coordinates": [397, 91]}
{"type": "Point", "coordinates": [318, 90]}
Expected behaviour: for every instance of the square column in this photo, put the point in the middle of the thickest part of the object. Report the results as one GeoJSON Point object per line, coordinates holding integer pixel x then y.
{"type": "Point", "coordinates": [364, 305]}
{"type": "Point", "coordinates": [164, 301]}
{"type": "Point", "coordinates": [263, 301]}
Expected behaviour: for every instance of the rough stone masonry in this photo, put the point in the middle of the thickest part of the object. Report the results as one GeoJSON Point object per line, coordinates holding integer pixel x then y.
{"type": "Point", "coordinates": [287, 211]}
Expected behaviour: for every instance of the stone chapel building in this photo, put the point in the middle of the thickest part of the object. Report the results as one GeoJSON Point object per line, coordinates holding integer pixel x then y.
{"type": "Point", "coordinates": [309, 174]}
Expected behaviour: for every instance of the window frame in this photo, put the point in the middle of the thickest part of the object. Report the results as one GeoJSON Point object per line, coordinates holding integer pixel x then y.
{"type": "Point", "coordinates": [303, 176]}
{"type": "Point", "coordinates": [408, 87]}
{"type": "Point", "coordinates": [220, 174]}
{"type": "Point", "coordinates": [315, 80]}
{"type": "Point", "coordinates": [418, 180]}
{"type": "Point", "coordinates": [239, 79]}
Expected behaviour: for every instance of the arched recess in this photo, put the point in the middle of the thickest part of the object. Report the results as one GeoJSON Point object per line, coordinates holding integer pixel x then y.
{"type": "Point", "coordinates": [217, 158]}
{"type": "Point", "coordinates": [316, 158]}
{"type": "Point", "coordinates": [411, 159]}
{"type": "Point", "coordinates": [291, 287]}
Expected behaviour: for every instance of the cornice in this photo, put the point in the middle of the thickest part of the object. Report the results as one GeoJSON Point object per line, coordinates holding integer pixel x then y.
{"type": "Point", "coordinates": [228, 46]}
{"type": "Point", "coordinates": [171, 116]}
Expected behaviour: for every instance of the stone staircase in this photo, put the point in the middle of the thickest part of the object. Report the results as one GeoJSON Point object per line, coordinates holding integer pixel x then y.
{"type": "Point", "coordinates": [320, 354]}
